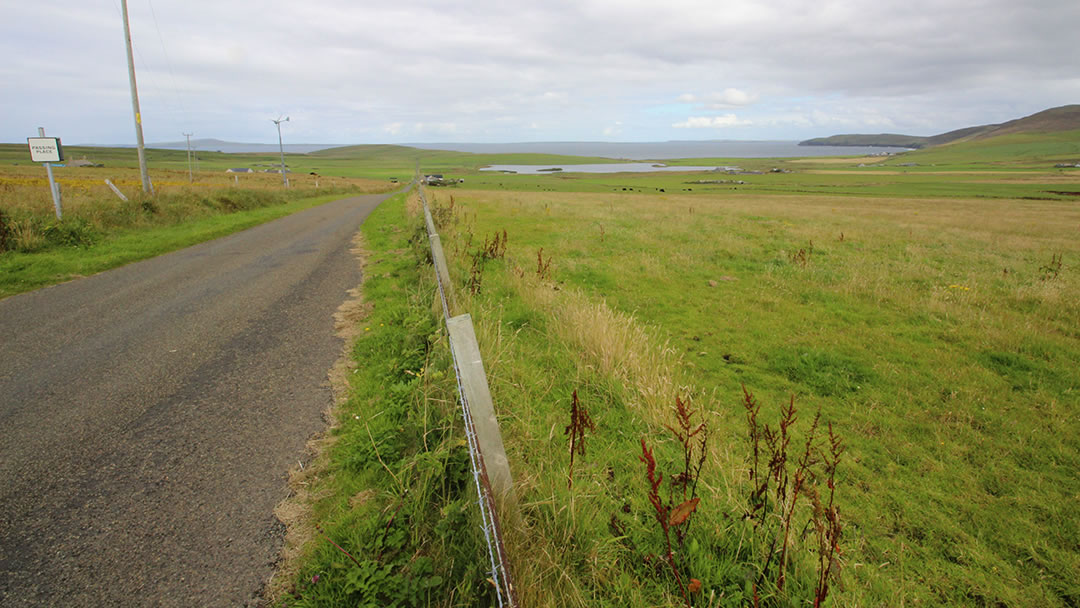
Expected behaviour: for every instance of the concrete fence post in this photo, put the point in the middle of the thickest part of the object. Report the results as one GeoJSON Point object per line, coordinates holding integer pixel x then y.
{"type": "Point", "coordinates": [439, 259]}
{"type": "Point", "coordinates": [474, 384]}
{"type": "Point", "coordinates": [116, 191]}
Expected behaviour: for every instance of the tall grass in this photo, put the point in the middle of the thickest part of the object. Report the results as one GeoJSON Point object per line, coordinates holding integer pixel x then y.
{"type": "Point", "coordinates": [595, 540]}
{"type": "Point", "coordinates": [930, 336]}
{"type": "Point", "coordinates": [91, 212]}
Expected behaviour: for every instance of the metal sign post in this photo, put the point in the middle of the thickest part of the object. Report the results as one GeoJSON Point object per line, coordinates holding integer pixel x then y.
{"type": "Point", "coordinates": [47, 150]}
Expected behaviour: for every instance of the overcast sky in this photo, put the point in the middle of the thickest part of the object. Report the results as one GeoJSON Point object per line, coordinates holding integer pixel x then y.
{"type": "Point", "coordinates": [354, 71]}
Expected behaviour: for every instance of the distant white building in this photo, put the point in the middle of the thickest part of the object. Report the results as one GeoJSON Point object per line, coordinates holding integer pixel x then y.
{"type": "Point", "coordinates": [240, 170]}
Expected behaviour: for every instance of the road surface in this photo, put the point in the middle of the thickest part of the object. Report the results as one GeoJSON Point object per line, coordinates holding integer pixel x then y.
{"type": "Point", "coordinates": [149, 415]}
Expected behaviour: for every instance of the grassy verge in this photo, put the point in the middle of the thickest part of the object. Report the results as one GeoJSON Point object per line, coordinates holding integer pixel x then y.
{"type": "Point", "coordinates": [939, 338]}
{"type": "Point", "coordinates": [78, 247]}
{"type": "Point", "coordinates": [391, 491]}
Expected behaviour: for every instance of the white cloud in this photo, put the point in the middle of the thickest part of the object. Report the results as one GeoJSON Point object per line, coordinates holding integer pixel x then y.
{"type": "Point", "coordinates": [712, 122]}
{"type": "Point", "coordinates": [472, 71]}
{"type": "Point", "coordinates": [830, 116]}
{"type": "Point", "coordinates": [728, 98]}
{"type": "Point", "coordinates": [436, 128]}
{"type": "Point", "coordinates": [553, 97]}
{"type": "Point", "coordinates": [613, 130]}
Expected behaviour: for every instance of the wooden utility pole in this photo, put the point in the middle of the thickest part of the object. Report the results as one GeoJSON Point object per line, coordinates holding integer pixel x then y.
{"type": "Point", "coordinates": [135, 102]}
{"type": "Point", "coordinates": [191, 179]}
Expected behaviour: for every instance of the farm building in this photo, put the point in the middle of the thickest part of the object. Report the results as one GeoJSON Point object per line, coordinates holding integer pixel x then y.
{"type": "Point", "coordinates": [437, 179]}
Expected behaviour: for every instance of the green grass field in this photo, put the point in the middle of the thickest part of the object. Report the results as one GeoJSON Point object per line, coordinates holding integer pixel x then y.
{"type": "Point", "coordinates": [934, 321]}
{"type": "Point", "coordinates": [929, 311]}
{"type": "Point", "coordinates": [929, 332]}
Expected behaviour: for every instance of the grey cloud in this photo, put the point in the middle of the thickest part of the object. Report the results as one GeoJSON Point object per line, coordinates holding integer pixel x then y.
{"type": "Point", "coordinates": [493, 69]}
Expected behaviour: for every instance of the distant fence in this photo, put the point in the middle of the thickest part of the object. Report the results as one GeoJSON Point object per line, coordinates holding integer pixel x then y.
{"type": "Point", "coordinates": [491, 470]}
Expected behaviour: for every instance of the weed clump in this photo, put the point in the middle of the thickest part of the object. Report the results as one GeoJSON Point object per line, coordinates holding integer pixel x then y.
{"type": "Point", "coordinates": [685, 431]}
{"type": "Point", "coordinates": [579, 423]}
{"type": "Point", "coordinates": [493, 249]}
{"type": "Point", "coordinates": [802, 256]}
{"type": "Point", "coordinates": [543, 268]}
{"type": "Point", "coordinates": [74, 232]}
{"type": "Point", "coordinates": [1051, 270]}
{"type": "Point", "coordinates": [776, 486]}
{"type": "Point", "coordinates": [443, 215]}
{"type": "Point", "coordinates": [673, 513]}
{"type": "Point", "coordinates": [666, 517]}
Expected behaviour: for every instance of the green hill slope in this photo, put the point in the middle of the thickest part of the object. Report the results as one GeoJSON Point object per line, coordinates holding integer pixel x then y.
{"type": "Point", "coordinates": [1054, 120]}
{"type": "Point", "coordinates": [1017, 150]}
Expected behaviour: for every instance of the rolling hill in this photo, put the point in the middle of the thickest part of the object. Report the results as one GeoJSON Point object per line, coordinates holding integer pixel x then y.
{"type": "Point", "coordinates": [1064, 118]}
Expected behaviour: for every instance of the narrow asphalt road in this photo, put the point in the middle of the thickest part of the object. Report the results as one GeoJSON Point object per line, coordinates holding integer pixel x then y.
{"type": "Point", "coordinates": [149, 415]}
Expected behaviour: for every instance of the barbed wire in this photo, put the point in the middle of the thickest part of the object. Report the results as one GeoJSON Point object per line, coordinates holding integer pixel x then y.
{"type": "Point", "coordinates": [500, 563]}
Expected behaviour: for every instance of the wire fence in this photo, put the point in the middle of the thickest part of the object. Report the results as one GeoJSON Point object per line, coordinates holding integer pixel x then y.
{"type": "Point", "coordinates": [499, 561]}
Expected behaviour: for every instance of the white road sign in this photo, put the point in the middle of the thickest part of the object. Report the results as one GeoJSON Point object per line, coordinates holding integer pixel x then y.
{"type": "Point", "coordinates": [45, 149]}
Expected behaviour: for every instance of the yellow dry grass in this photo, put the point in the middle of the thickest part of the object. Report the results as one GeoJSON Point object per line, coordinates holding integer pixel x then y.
{"type": "Point", "coordinates": [27, 187]}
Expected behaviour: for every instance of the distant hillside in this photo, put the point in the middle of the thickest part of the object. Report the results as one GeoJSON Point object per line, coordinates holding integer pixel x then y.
{"type": "Point", "coordinates": [883, 140]}
{"type": "Point", "coordinates": [363, 151]}
{"type": "Point", "coordinates": [1064, 118]}
{"type": "Point", "coordinates": [228, 147]}
{"type": "Point", "coordinates": [444, 159]}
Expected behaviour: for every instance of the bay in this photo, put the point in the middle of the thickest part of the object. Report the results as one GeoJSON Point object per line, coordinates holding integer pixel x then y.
{"type": "Point", "coordinates": [598, 168]}
{"type": "Point", "coordinates": [663, 150]}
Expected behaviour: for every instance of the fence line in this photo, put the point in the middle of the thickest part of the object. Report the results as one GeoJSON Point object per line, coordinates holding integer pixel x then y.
{"type": "Point", "coordinates": [484, 439]}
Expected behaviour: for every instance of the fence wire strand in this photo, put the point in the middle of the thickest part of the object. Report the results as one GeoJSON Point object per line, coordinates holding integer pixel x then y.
{"type": "Point", "coordinates": [500, 564]}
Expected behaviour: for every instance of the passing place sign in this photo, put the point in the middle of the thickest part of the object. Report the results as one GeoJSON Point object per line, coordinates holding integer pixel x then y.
{"type": "Point", "coordinates": [45, 149]}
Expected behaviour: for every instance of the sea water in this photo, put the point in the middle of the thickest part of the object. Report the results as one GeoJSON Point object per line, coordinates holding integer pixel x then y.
{"type": "Point", "coordinates": [665, 149]}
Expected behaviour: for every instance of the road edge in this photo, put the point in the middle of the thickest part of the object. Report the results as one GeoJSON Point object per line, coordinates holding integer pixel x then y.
{"type": "Point", "coordinates": [295, 512]}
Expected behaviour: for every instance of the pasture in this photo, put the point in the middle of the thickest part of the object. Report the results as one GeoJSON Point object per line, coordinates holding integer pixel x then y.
{"type": "Point", "coordinates": [939, 336]}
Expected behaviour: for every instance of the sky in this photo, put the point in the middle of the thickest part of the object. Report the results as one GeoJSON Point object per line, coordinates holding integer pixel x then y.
{"type": "Point", "coordinates": [356, 71]}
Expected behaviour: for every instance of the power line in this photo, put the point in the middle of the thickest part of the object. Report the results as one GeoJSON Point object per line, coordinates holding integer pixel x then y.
{"type": "Point", "coordinates": [168, 63]}
{"type": "Point", "coordinates": [149, 74]}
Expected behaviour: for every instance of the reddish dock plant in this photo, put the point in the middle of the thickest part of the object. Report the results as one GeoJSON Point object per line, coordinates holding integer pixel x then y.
{"type": "Point", "coordinates": [579, 423]}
